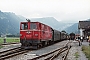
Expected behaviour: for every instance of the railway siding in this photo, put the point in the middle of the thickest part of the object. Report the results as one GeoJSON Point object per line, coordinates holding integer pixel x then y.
{"type": "Point", "coordinates": [53, 54]}
{"type": "Point", "coordinates": [71, 56]}
{"type": "Point", "coordinates": [11, 53]}
{"type": "Point", "coordinates": [36, 53]}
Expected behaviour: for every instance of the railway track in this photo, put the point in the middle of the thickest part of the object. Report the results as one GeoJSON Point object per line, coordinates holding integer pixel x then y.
{"type": "Point", "coordinates": [53, 54]}
{"type": "Point", "coordinates": [65, 55]}
{"type": "Point", "coordinates": [11, 53]}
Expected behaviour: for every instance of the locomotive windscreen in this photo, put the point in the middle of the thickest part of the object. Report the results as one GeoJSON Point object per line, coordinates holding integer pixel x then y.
{"type": "Point", "coordinates": [33, 26]}
{"type": "Point", "coordinates": [24, 26]}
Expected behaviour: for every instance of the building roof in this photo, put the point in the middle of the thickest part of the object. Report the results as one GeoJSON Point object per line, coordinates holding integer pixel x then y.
{"type": "Point", "coordinates": [84, 24]}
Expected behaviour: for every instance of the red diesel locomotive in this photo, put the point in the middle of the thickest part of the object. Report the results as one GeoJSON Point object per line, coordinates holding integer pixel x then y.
{"type": "Point", "coordinates": [36, 34]}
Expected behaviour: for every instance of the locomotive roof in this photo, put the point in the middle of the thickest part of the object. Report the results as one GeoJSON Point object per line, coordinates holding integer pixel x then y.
{"type": "Point", "coordinates": [37, 22]}
{"type": "Point", "coordinates": [32, 22]}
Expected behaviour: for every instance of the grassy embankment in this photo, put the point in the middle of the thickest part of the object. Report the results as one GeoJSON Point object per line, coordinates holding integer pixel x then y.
{"type": "Point", "coordinates": [86, 50]}
{"type": "Point", "coordinates": [9, 40]}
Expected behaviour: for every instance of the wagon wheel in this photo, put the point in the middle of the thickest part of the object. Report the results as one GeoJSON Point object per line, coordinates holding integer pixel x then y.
{"type": "Point", "coordinates": [43, 44]}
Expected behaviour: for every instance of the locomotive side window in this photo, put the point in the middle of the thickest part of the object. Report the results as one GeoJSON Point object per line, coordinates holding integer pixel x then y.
{"type": "Point", "coordinates": [33, 26]}
{"type": "Point", "coordinates": [24, 26]}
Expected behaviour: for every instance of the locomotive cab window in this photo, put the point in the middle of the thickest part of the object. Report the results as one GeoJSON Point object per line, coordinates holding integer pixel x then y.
{"type": "Point", "coordinates": [24, 26]}
{"type": "Point", "coordinates": [33, 26]}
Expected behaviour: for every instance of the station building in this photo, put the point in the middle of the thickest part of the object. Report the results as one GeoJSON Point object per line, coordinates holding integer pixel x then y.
{"type": "Point", "coordinates": [84, 27]}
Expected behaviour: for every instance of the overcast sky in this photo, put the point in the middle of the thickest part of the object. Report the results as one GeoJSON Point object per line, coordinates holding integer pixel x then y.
{"type": "Point", "coordinates": [62, 10]}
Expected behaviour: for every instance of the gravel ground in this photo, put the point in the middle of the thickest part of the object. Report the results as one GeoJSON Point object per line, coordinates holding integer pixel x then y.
{"type": "Point", "coordinates": [76, 48]}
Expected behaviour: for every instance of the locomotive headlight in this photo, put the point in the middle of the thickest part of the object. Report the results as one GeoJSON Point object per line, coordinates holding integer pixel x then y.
{"type": "Point", "coordinates": [28, 32]}
{"type": "Point", "coordinates": [36, 34]}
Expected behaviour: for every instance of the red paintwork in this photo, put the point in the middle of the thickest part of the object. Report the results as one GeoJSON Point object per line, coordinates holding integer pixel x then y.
{"type": "Point", "coordinates": [43, 32]}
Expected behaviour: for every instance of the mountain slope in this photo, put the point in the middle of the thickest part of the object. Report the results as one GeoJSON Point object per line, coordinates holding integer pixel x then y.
{"type": "Point", "coordinates": [73, 28]}
{"type": "Point", "coordinates": [9, 23]}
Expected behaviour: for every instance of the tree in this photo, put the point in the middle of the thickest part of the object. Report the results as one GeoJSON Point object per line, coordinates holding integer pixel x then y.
{"type": "Point", "coordinates": [63, 31]}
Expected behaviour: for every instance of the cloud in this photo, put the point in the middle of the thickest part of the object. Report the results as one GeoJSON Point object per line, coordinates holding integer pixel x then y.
{"type": "Point", "coordinates": [65, 10]}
